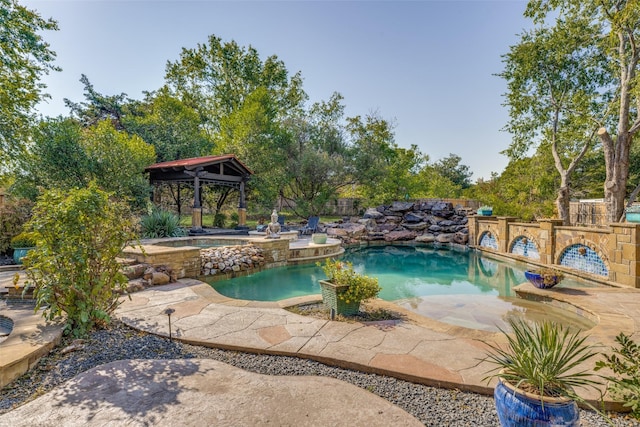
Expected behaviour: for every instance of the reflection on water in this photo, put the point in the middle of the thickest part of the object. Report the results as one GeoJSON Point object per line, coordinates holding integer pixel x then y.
{"type": "Point", "coordinates": [456, 287]}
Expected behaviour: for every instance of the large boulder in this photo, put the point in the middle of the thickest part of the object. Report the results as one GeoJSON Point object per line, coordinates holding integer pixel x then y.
{"type": "Point", "coordinates": [415, 227]}
{"type": "Point", "coordinates": [413, 217]}
{"type": "Point", "coordinates": [393, 236]}
{"type": "Point", "coordinates": [401, 206]}
{"type": "Point", "coordinates": [426, 238]}
{"type": "Point", "coordinates": [461, 238]}
{"type": "Point", "coordinates": [373, 213]}
{"type": "Point", "coordinates": [445, 238]}
{"type": "Point", "coordinates": [443, 209]}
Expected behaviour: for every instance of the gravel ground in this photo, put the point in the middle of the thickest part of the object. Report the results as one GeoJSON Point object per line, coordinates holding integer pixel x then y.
{"type": "Point", "coordinates": [432, 406]}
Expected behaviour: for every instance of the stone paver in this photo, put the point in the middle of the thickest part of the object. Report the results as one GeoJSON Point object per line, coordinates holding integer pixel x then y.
{"type": "Point", "coordinates": [203, 393]}
{"type": "Point", "coordinates": [415, 348]}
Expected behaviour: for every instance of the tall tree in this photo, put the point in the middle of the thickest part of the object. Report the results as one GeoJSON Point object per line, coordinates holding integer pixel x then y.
{"type": "Point", "coordinates": [171, 126]}
{"type": "Point", "coordinates": [451, 168]}
{"type": "Point", "coordinates": [26, 57]}
{"type": "Point", "coordinates": [98, 107]}
{"type": "Point", "coordinates": [65, 155]}
{"type": "Point", "coordinates": [614, 27]}
{"type": "Point", "coordinates": [217, 78]}
{"type": "Point", "coordinates": [553, 78]}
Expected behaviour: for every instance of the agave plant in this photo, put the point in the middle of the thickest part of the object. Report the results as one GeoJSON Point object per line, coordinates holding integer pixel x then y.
{"type": "Point", "coordinates": [161, 223]}
{"type": "Point", "coordinates": [542, 359]}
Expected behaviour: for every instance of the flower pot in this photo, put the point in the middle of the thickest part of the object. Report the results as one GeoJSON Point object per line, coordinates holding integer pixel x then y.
{"type": "Point", "coordinates": [632, 216]}
{"type": "Point", "coordinates": [517, 408]}
{"type": "Point", "coordinates": [319, 238]}
{"type": "Point", "coordinates": [485, 212]}
{"type": "Point", "coordinates": [331, 300]}
{"type": "Point", "coordinates": [19, 253]}
{"type": "Point", "coordinates": [541, 281]}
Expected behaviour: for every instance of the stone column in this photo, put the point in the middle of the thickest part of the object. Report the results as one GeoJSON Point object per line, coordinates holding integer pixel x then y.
{"type": "Point", "coordinates": [624, 254]}
{"type": "Point", "coordinates": [547, 240]}
{"type": "Point", "coordinates": [503, 233]}
{"type": "Point", "coordinates": [472, 225]}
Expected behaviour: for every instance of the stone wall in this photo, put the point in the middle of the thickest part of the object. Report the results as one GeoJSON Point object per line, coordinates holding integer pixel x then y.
{"type": "Point", "coordinates": [610, 255]}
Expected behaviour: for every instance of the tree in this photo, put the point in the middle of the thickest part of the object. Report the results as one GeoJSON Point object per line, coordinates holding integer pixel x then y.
{"type": "Point", "coordinates": [26, 57]}
{"type": "Point", "coordinates": [98, 107]}
{"type": "Point", "coordinates": [451, 168]}
{"type": "Point", "coordinates": [384, 172]}
{"type": "Point", "coordinates": [553, 79]}
{"type": "Point", "coordinates": [171, 126]}
{"type": "Point", "coordinates": [64, 155]}
{"type": "Point", "coordinates": [79, 234]}
{"type": "Point", "coordinates": [217, 78]}
{"type": "Point", "coordinates": [614, 27]}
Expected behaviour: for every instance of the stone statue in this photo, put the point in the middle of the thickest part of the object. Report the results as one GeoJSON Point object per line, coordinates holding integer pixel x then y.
{"type": "Point", "coordinates": [273, 229]}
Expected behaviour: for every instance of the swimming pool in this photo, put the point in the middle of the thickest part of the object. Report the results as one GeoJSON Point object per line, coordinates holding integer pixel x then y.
{"type": "Point", "coordinates": [453, 286]}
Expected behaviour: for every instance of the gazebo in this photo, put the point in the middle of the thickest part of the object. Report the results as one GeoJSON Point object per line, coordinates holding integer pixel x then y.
{"type": "Point", "coordinates": [225, 171]}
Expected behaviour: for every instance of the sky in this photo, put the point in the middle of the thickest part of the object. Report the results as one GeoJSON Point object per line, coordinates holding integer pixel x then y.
{"type": "Point", "coordinates": [427, 66]}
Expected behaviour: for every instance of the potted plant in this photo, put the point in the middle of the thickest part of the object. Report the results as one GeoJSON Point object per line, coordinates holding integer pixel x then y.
{"type": "Point", "coordinates": [544, 278]}
{"type": "Point", "coordinates": [485, 210]}
{"type": "Point", "coordinates": [345, 289]}
{"type": "Point", "coordinates": [21, 244]}
{"type": "Point", "coordinates": [537, 373]}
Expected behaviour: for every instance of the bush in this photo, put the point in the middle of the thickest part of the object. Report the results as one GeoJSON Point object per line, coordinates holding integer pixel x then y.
{"type": "Point", "coordinates": [625, 364]}
{"type": "Point", "coordinates": [23, 240]}
{"type": "Point", "coordinates": [219, 220]}
{"type": "Point", "coordinates": [13, 214]}
{"type": "Point", "coordinates": [361, 288]}
{"type": "Point", "coordinates": [161, 223]}
{"type": "Point", "coordinates": [80, 234]}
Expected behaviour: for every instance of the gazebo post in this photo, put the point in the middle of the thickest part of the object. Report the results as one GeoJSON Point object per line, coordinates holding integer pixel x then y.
{"type": "Point", "coordinates": [242, 208]}
{"type": "Point", "coordinates": [196, 213]}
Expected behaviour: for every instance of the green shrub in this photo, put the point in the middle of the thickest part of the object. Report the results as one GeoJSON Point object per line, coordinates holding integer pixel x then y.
{"type": "Point", "coordinates": [360, 287]}
{"type": "Point", "coordinates": [80, 234]}
{"type": "Point", "coordinates": [219, 220]}
{"type": "Point", "coordinates": [161, 223]}
{"type": "Point", "coordinates": [625, 364]}
{"type": "Point", "coordinates": [235, 220]}
{"type": "Point", "coordinates": [23, 240]}
{"type": "Point", "coordinates": [13, 214]}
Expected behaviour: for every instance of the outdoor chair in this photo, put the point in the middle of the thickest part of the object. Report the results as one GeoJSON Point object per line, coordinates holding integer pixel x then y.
{"type": "Point", "coordinates": [281, 220]}
{"type": "Point", "coordinates": [312, 225]}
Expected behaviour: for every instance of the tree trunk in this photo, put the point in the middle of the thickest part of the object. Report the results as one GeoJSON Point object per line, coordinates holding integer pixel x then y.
{"type": "Point", "coordinates": [616, 155]}
{"type": "Point", "coordinates": [563, 205]}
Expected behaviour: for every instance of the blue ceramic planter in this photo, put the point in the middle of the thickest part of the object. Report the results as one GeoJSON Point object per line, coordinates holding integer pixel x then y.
{"type": "Point", "coordinates": [519, 409]}
{"type": "Point", "coordinates": [19, 253]}
{"type": "Point", "coordinates": [537, 280]}
{"type": "Point", "coordinates": [633, 216]}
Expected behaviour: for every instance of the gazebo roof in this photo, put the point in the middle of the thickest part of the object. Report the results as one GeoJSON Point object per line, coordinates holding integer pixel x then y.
{"type": "Point", "coordinates": [224, 170]}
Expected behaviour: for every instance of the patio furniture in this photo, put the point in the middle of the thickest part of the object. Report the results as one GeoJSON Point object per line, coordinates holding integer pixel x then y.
{"type": "Point", "coordinates": [312, 225]}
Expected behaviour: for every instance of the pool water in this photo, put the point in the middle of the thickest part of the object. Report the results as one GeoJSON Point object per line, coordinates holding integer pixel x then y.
{"type": "Point", "coordinates": [457, 287]}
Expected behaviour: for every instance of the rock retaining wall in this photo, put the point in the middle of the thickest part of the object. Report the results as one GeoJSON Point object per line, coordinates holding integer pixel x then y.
{"type": "Point", "coordinates": [424, 222]}
{"type": "Point", "coordinates": [230, 259]}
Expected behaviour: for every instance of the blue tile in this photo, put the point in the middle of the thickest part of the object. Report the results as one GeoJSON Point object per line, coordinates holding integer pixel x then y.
{"type": "Point", "coordinates": [488, 241]}
{"type": "Point", "coordinates": [583, 258]}
{"type": "Point", "coordinates": [525, 247]}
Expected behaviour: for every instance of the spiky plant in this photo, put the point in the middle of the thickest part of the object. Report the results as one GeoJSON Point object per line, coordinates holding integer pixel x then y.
{"type": "Point", "coordinates": [542, 359]}
{"type": "Point", "coordinates": [161, 223]}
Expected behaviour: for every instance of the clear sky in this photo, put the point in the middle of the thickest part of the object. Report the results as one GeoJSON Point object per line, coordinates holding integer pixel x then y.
{"type": "Point", "coordinates": [428, 66]}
